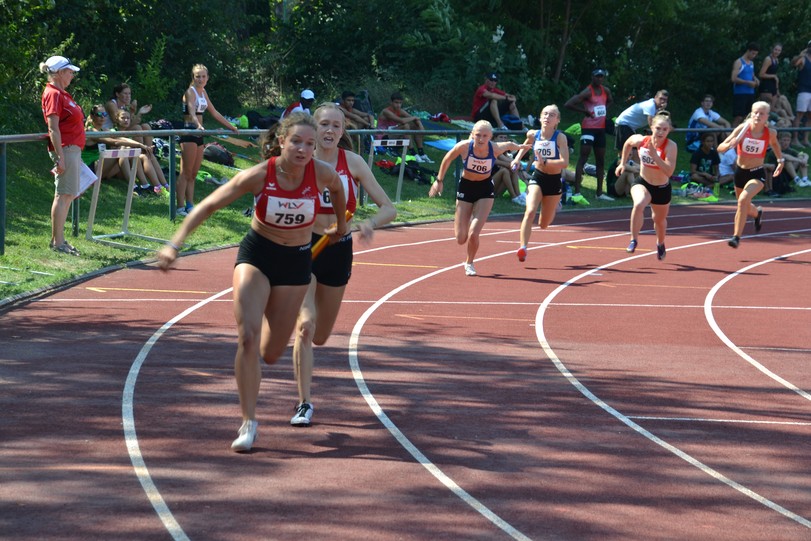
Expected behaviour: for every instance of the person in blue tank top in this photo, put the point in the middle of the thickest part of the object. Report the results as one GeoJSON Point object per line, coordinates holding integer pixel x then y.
{"type": "Point", "coordinates": [744, 83]}
{"type": "Point", "coordinates": [474, 195]}
{"type": "Point", "coordinates": [802, 62]}
{"type": "Point", "coordinates": [550, 158]}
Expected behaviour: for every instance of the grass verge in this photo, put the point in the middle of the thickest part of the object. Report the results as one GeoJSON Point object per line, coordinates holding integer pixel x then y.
{"type": "Point", "coordinates": [29, 266]}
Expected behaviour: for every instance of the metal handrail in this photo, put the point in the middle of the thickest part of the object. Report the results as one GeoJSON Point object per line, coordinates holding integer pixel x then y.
{"type": "Point", "coordinates": [27, 138]}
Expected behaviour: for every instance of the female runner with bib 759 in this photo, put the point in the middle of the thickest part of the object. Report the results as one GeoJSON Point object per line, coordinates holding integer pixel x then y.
{"type": "Point", "coordinates": [273, 265]}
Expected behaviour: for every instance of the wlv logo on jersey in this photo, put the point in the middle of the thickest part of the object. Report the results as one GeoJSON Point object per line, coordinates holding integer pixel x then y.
{"type": "Point", "coordinates": [291, 205]}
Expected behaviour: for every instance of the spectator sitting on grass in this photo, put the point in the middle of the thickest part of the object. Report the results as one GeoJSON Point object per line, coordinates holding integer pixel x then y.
{"type": "Point", "coordinates": [704, 161]}
{"type": "Point", "coordinates": [726, 169]}
{"type": "Point", "coordinates": [620, 186]}
{"type": "Point", "coordinates": [119, 168]}
{"type": "Point", "coordinates": [491, 103]}
{"type": "Point", "coordinates": [355, 118]}
{"type": "Point", "coordinates": [704, 117]}
{"type": "Point", "coordinates": [795, 168]}
{"type": "Point", "coordinates": [506, 178]}
{"type": "Point", "coordinates": [394, 117]}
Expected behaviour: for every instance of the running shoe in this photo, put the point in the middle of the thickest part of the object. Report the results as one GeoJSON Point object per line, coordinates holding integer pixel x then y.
{"type": "Point", "coordinates": [660, 251]}
{"type": "Point", "coordinates": [303, 416]}
{"type": "Point", "coordinates": [426, 158]}
{"type": "Point", "coordinates": [182, 212]}
{"type": "Point", "coordinates": [522, 254]}
{"type": "Point", "coordinates": [759, 220]}
{"type": "Point", "coordinates": [734, 241]}
{"type": "Point", "coordinates": [605, 197]}
{"type": "Point", "coordinates": [631, 246]}
{"type": "Point", "coordinates": [469, 270]}
{"type": "Point", "coordinates": [247, 435]}
{"type": "Point", "coordinates": [518, 200]}
{"type": "Point", "coordinates": [579, 199]}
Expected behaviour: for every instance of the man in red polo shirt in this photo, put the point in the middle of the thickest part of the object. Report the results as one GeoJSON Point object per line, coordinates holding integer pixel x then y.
{"type": "Point", "coordinates": [491, 103]}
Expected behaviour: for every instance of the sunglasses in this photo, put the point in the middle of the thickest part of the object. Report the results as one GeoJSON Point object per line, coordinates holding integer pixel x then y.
{"type": "Point", "coordinates": [101, 114]}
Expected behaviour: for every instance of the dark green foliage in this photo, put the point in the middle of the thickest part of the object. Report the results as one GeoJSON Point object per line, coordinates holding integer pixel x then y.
{"type": "Point", "coordinates": [436, 51]}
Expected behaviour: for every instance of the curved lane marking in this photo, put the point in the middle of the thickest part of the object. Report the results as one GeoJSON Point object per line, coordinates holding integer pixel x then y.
{"type": "Point", "coordinates": [156, 499]}
{"type": "Point", "coordinates": [130, 435]}
{"type": "Point", "coordinates": [561, 367]}
{"type": "Point", "coordinates": [708, 314]}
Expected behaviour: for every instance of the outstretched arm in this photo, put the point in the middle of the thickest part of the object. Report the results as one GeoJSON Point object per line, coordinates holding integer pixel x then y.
{"type": "Point", "coordinates": [248, 181]}
{"type": "Point", "coordinates": [436, 187]}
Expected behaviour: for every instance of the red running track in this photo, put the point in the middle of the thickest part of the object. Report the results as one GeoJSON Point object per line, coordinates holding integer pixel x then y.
{"type": "Point", "coordinates": [584, 394]}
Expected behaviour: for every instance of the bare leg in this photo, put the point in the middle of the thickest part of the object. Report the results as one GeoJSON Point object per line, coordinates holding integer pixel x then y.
{"type": "Point", "coordinates": [481, 210]}
{"type": "Point", "coordinates": [251, 294]}
{"type": "Point", "coordinates": [59, 215]}
{"type": "Point", "coordinates": [659, 215]}
{"type": "Point", "coordinates": [461, 221]}
{"type": "Point", "coordinates": [534, 198]}
{"type": "Point", "coordinates": [549, 207]}
{"type": "Point", "coordinates": [641, 199]}
{"type": "Point", "coordinates": [495, 113]}
{"type": "Point", "coordinates": [599, 161]}
{"type": "Point", "coordinates": [745, 208]}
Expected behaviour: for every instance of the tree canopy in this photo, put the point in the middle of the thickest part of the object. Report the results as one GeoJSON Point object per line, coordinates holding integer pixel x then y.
{"type": "Point", "coordinates": [435, 51]}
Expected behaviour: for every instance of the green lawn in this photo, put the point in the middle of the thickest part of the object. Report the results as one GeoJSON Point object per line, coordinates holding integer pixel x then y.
{"type": "Point", "coordinates": [28, 265]}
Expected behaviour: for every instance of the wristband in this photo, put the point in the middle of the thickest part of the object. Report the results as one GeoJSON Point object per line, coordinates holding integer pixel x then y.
{"type": "Point", "coordinates": [175, 246]}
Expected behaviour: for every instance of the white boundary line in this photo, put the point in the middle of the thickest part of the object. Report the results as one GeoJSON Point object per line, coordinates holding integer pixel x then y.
{"type": "Point", "coordinates": [176, 531]}
{"type": "Point", "coordinates": [708, 314]}
{"type": "Point", "coordinates": [626, 420]}
{"type": "Point", "coordinates": [130, 435]}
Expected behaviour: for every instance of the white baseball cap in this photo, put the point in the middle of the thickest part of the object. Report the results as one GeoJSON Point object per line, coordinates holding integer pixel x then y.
{"type": "Point", "coordinates": [307, 94]}
{"type": "Point", "coordinates": [56, 63]}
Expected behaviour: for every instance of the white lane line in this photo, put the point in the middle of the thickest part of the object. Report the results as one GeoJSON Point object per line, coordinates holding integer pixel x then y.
{"type": "Point", "coordinates": [539, 331]}
{"type": "Point", "coordinates": [130, 435]}
{"type": "Point", "coordinates": [708, 314]}
{"type": "Point", "coordinates": [722, 421]}
{"type": "Point", "coordinates": [401, 438]}
{"type": "Point", "coordinates": [142, 472]}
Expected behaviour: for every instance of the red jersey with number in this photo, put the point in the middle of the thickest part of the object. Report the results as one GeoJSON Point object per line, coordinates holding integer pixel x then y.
{"type": "Point", "coordinates": [644, 154]}
{"type": "Point", "coordinates": [751, 146]}
{"type": "Point", "coordinates": [56, 101]}
{"type": "Point", "coordinates": [596, 107]}
{"type": "Point", "coordinates": [288, 209]}
{"type": "Point", "coordinates": [350, 187]}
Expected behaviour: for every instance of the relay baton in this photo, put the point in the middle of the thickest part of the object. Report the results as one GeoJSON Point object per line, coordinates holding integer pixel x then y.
{"type": "Point", "coordinates": [319, 246]}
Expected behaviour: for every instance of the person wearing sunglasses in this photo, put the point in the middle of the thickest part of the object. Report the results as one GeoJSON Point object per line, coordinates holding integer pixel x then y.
{"type": "Point", "coordinates": [119, 168]}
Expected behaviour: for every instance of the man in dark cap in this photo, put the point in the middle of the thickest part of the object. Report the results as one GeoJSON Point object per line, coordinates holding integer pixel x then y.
{"type": "Point", "coordinates": [491, 103]}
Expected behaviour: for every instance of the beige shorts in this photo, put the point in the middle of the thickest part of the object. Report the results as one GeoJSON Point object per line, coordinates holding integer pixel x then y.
{"type": "Point", "coordinates": [68, 182]}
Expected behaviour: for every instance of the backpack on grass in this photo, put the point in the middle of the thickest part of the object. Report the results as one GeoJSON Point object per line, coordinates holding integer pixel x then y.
{"type": "Point", "coordinates": [215, 152]}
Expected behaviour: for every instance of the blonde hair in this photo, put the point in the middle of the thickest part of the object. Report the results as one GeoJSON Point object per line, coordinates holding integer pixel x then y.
{"type": "Point", "coordinates": [195, 68]}
{"type": "Point", "coordinates": [43, 67]}
{"type": "Point", "coordinates": [346, 141]}
{"type": "Point", "coordinates": [550, 106]}
{"type": "Point", "coordinates": [761, 104]}
{"type": "Point", "coordinates": [481, 124]}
